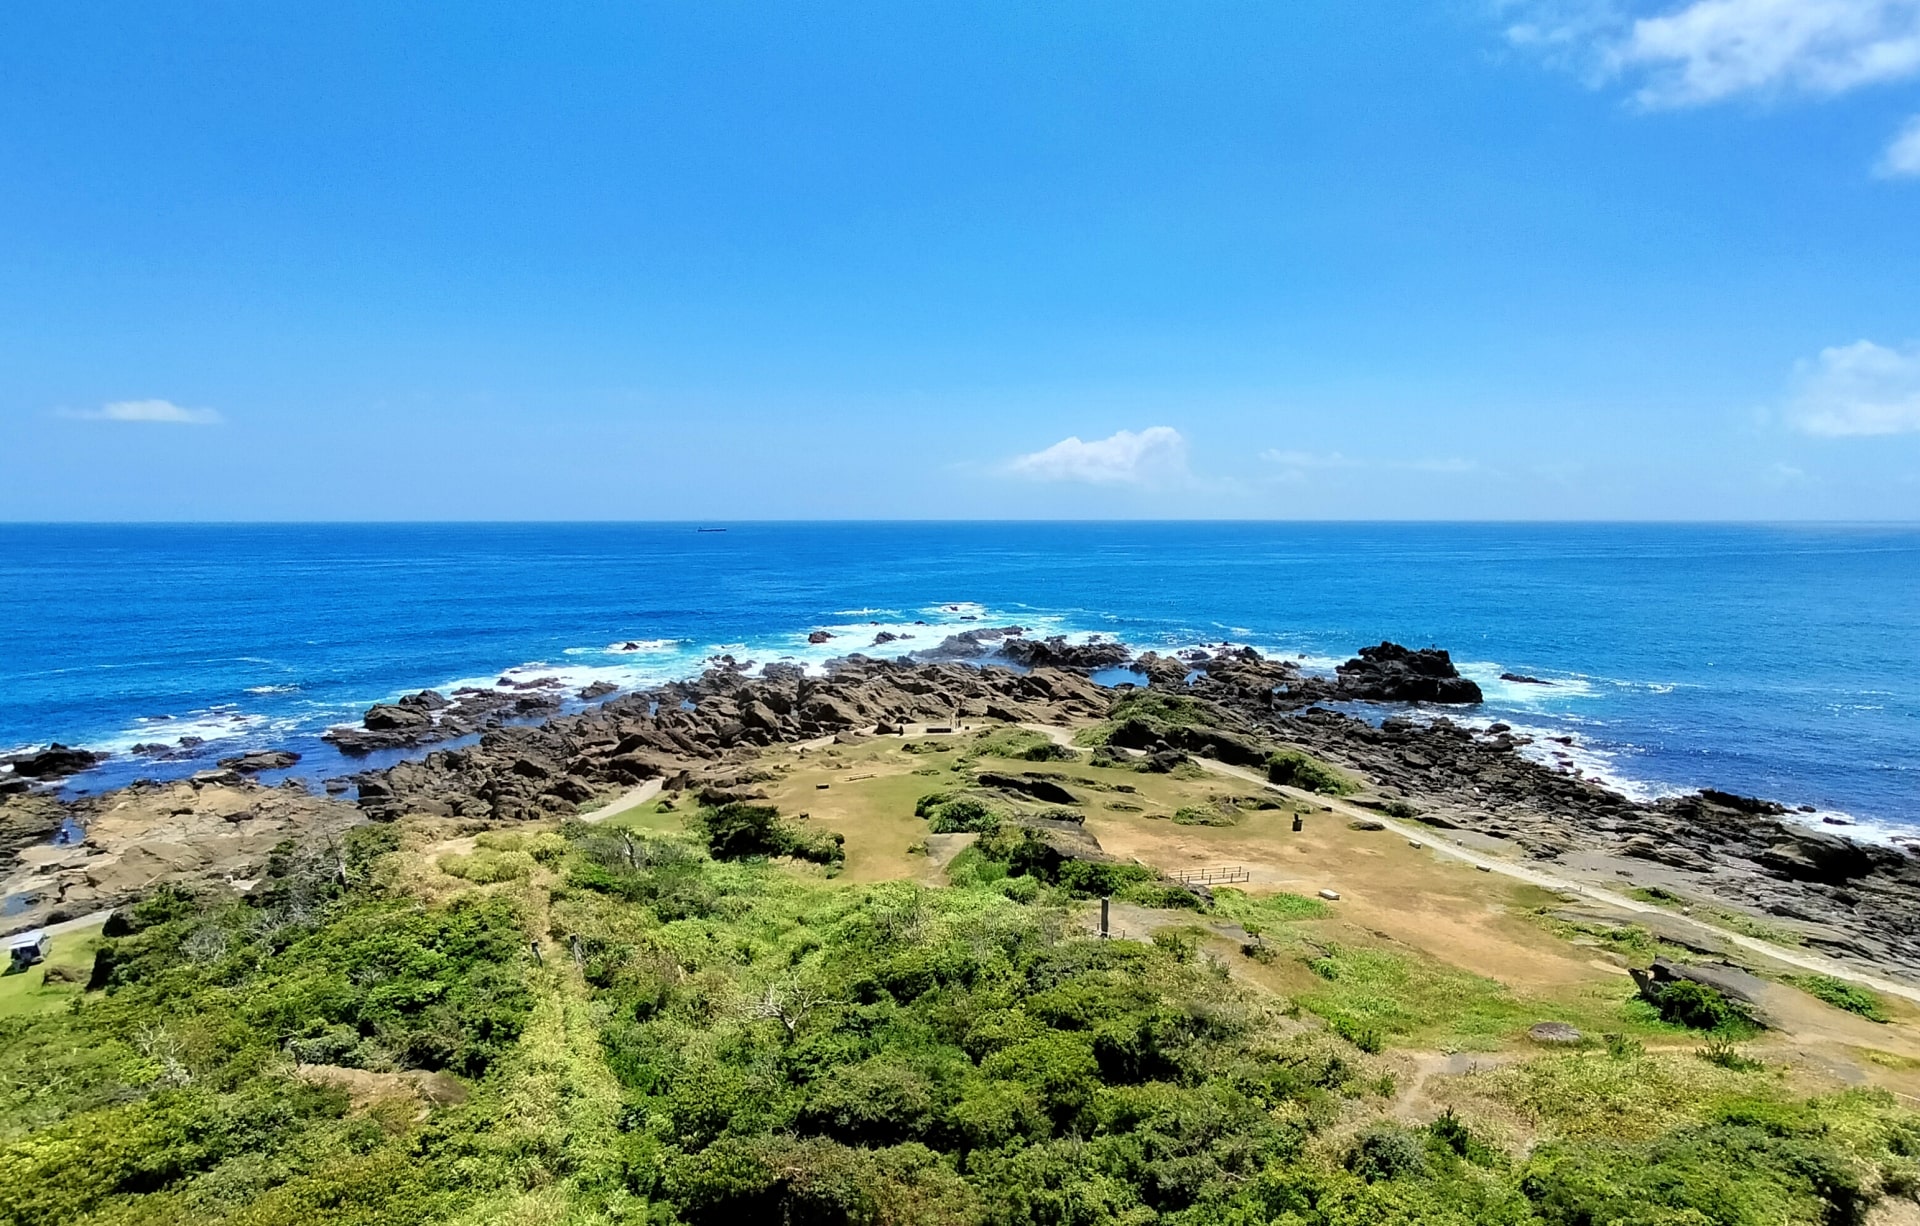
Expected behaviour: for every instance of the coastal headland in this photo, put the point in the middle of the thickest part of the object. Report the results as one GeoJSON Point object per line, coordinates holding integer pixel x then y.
{"type": "Point", "coordinates": [1477, 933]}
{"type": "Point", "coordinates": [1855, 902]}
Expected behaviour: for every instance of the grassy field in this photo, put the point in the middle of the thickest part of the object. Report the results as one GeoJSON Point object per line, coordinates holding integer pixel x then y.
{"type": "Point", "coordinates": [29, 992]}
{"type": "Point", "coordinates": [613, 1023]}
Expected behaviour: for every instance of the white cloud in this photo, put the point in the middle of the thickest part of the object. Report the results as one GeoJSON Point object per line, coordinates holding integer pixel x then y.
{"type": "Point", "coordinates": [1859, 389]}
{"type": "Point", "coordinates": [1706, 51]}
{"type": "Point", "coordinates": [1297, 463]}
{"type": "Point", "coordinates": [158, 411]}
{"type": "Point", "coordinates": [1155, 456]}
{"type": "Point", "coordinates": [1902, 158]}
{"type": "Point", "coordinates": [1307, 459]}
{"type": "Point", "coordinates": [1439, 464]}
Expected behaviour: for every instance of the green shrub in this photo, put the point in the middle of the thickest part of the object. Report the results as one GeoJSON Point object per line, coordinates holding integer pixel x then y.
{"type": "Point", "coordinates": [1843, 995]}
{"type": "Point", "coordinates": [1090, 879]}
{"type": "Point", "coordinates": [1194, 815]}
{"type": "Point", "coordinates": [1699, 1007]}
{"type": "Point", "coordinates": [1386, 1151]}
{"type": "Point", "coordinates": [1620, 1047]}
{"type": "Point", "coordinates": [486, 866]}
{"type": "Point", "coordinates": [924, 806]}
{"type": "Point", "coordinates": [1020, 745]}
{"type": "Point", "coordinates": [1296, 768]}
{"type": "Point", "coordinates": [1161, 707]}
{"type": "Point", "coordinates": [739, 831]}
{"type": "Point", "coordinates": [1450, 1135]}
{"type": "Point", "coordinates": [1161, 895]}
{"type": "Point", "coordinates": [960, 815]}
{"type": "Point", "coordinates": [1724, 1054]}
{"type": "Point", "coordinates": [1362, 1035]}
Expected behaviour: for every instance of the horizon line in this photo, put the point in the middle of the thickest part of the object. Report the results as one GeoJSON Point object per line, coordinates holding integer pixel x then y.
{"type": "Point", "coordinates": [952, 521]}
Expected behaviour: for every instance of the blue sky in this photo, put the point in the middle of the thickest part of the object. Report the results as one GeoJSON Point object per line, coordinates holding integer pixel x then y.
{"type": "Point", "coordinates": [1474, 259]}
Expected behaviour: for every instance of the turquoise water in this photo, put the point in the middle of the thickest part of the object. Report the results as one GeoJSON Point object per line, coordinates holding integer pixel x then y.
{"type": "Point", "coordinates": [1782, 661]}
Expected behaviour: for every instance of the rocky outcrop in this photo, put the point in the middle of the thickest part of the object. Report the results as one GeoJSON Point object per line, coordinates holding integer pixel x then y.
{"type": "Point", "coordinates": [1056, 652]}
{"type": "Point", "coordinates": [1164, 671]}
{"type": "Point", "coordinates": [968, 644]}
{"type": "Point", "coordinates": [687, 732]}
{"type": "Point", "coordinates": [1392, 673]}
{"type": "Point", "coordinates": [259, 760]}
{"type": "Point", "coordinates": [1844, 898]}
{"type": "Point", "coordinates": [29, 821]}
{"type": "Point", "coordinates": [1035, 785]}
{"type": "Point", "coordinates": [429, 717]}
{"type": "Point", "coordinates": [146, 834]}
{"type": "Point", "coordinates": [1743, 988]}
{"type": "Point", "coordinates": [56, 761]}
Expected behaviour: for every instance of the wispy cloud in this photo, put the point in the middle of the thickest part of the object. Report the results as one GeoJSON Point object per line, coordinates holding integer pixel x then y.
{"type": "Point", "coordinates": [1307, 459]}
{"type": "Point", "coordinates": [1296, 464]}
{"type": "Point", "coordinates": [1699, 52]}
{"type": "Point", "coordinates": [161, 412]}
{"type": "Point", "coordinates": [1858, 389]}
{"type": "Point", "coordinates": [1156, 456]}
{"type": "Point", "coordinates": [1705, 51]}
{"type": "Point", "coordinates": [1902, 158]}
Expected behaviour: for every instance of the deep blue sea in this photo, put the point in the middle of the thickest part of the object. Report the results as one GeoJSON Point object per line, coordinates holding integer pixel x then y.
{"type": "Point", "coordinates": [1780, 661]}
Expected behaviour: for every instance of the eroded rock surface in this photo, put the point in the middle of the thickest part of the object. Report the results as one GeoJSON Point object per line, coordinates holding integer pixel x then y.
{"type": "Point", "coordinates": [146, 834]}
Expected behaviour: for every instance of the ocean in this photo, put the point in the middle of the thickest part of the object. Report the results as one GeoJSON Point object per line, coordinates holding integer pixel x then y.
{"type": "Point", "coordinates": [1781, 661]}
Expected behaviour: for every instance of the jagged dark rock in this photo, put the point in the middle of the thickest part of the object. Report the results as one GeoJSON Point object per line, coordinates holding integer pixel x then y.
{"type": "Point", "coordinates": [428, 717]}
{"type": "Point", "coordinates": [968, 644]}
{"type": "Point", "coordinates": [1056, 652]}
{"type": "Point", "coordinates": [56, 761]}
{"type": "Point", "coordinates": [1392, 673]}
{"type": "Point", "coordinates": [258, 760]}
{"type": "Point", "coordinates": [1040, 787]}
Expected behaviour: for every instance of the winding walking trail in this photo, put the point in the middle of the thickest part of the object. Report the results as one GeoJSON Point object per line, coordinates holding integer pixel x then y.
{"type": "Point", "coordinates": [1543, 878]}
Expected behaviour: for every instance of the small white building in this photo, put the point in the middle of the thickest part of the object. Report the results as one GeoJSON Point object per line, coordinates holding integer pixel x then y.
{"type": "Point", "coordinates": [24, 949]}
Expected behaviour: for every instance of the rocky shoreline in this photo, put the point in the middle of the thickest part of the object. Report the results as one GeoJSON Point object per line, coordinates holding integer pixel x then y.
{"type": "Point", "coordinates": [1842, 897]}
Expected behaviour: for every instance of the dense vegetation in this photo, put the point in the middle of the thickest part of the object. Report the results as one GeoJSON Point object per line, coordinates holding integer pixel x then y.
{"type": "Point", "coordinates": [1299, 769]}
{"type": "Point", "coordinates": [653, 1029]}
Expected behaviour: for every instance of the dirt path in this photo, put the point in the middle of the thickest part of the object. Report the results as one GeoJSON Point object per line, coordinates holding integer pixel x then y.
{"type": "Point", "coordinates": [1545, 879]}
{"type": "Point", "coordinates": [626, 800]}
{"type": "Point", "coordinates": [1565, 884]}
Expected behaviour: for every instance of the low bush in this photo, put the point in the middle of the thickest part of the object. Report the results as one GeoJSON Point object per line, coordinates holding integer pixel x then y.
{"type": "Point", "coordinates": [1725, 1055]}
{"type": "Point", "coordinates": [486, 866]}
{"type": "Point", "coordinates": [739, 830]}
{"type": "Point", "coordinates": [1202, 815]}
{"type": "Point", "coordinates": [1386, 1151]}
{"type": "Point", "coordinates": [1020, 745]}
{"type": "Point", "coordinates": [1699, 1007]}
{"type": "Point", "coordinates": [948, 814]}
{"type": "Point", "coordinates": [1296, 768]}
{"type": "Point", "coordinates": [1843, 995]}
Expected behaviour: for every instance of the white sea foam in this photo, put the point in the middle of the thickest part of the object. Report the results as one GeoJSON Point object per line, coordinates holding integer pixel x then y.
{"type": "Point", "coordinates": [1567, 751]}
{"type": "Point", "coordinates": [1558, 687]}
{"type": "Point", "coordinates": [225, 722]}
{"type": "Point", "coordinates": [273, 689]}
{"type": "Point", "coordinates": [1862, 830]}
{"type": "Point", "coordinates": [632, 647]}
